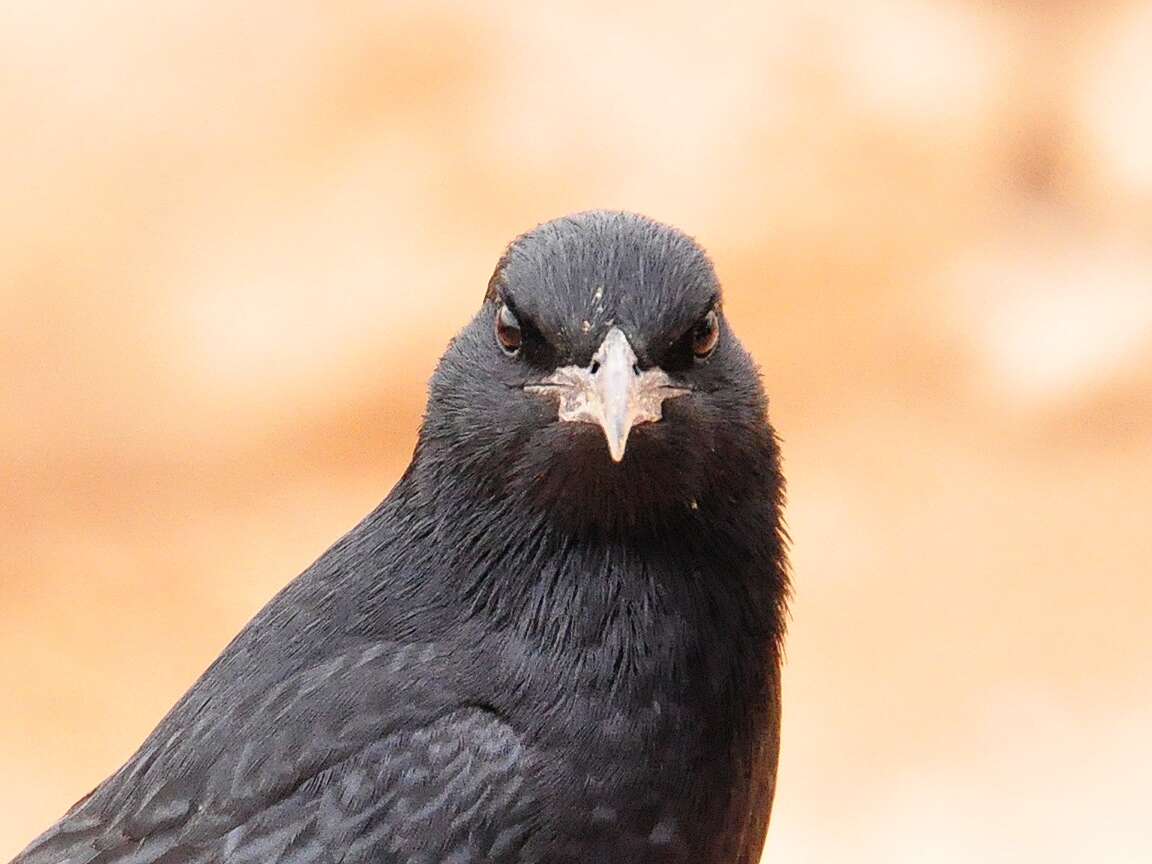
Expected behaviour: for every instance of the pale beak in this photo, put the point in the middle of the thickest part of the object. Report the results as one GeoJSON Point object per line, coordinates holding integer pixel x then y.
{"type": "Point", "coordinates": [612, 392]}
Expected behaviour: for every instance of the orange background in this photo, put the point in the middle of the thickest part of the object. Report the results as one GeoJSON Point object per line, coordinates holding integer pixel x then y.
{"type": "Point", "coordinates": [234, 238]}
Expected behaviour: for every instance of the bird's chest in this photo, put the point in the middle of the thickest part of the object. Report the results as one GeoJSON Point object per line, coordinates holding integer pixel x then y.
{"type": "Point", "coordinates": [640, 702]}
{"type": "Point", "coordinates": [656, 761]}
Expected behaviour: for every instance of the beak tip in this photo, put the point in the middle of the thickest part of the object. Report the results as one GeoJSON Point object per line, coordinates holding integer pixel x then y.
{"type": "Point", "coordinates": [616, 447]}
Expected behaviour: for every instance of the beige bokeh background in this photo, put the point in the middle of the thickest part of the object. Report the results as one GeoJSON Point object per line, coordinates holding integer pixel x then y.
{"type": "Point", "coordinates": [235, 237]}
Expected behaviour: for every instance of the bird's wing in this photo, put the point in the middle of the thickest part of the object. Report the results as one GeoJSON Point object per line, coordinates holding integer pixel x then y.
{"type": "Point", "coordinates": [361, 783]}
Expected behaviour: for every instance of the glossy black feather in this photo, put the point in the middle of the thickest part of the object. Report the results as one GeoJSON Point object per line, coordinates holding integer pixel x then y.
{"type": "Point", "coordinates": [526, 653]}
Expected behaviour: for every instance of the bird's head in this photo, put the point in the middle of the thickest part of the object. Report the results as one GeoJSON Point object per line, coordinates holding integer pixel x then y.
{"type": "Point", "coordinates": [600, 378]}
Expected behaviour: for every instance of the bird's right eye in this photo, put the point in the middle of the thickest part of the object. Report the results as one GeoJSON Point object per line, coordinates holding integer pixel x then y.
{"type": "Point", "coordinates": [508, 332]}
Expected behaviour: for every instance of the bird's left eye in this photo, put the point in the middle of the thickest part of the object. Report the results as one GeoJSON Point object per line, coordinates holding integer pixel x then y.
{"type": "Point", "coordinates": [705, 335]}
{"type": "Point", "coordinates": [508, 332]}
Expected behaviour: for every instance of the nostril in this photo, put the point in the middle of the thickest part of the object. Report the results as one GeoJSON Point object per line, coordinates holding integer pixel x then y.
{"type": "Point", "coordinates": [636, 369]}
{"type": "Point", "coordinates": [595, 367]}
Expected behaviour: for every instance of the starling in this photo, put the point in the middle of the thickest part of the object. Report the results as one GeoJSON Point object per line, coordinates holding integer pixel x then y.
{"type": "Point", "coordinates": [557, 640]}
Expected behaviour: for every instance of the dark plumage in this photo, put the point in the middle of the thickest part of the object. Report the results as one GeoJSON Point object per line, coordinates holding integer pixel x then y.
{"type": "Point", "coordinates": [542, 646]}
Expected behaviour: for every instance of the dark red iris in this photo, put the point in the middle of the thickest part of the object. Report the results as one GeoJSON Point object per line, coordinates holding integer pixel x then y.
{"type": "Point", "coordinates": [508, 332]}
{"type": "Point", "coordinates": [705, 335]}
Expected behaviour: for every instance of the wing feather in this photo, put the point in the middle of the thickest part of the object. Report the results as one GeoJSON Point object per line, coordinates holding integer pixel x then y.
{"type": "Point", "coordinates": [333, 770]}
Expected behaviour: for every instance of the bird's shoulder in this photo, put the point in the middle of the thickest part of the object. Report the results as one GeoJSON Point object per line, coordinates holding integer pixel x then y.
{"type": "Point", "coordinates": [241, 758]}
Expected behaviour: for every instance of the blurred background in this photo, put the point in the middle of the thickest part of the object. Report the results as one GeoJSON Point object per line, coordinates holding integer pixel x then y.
{"type": "Point", "coordinates": [235, 238]}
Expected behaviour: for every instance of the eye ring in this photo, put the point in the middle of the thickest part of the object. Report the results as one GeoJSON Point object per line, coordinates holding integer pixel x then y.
{"type": "Point", "coordinates": [509, 336]}
{"type": "Point", "coordinates": [706, 335]}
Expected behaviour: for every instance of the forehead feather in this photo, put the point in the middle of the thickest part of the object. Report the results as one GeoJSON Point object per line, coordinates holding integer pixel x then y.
{"type": "Point", "coordinates": [577, 276]}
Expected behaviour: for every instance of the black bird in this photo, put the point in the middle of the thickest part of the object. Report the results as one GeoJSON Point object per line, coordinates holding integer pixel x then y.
{"type": "Point", "coordinates": [556, 640]}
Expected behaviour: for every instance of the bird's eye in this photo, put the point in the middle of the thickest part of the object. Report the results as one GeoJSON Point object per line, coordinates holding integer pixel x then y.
{"type": "Point", "coordinates": [705, 335]}
{"type": "Point", "coordinates": [508, 332]}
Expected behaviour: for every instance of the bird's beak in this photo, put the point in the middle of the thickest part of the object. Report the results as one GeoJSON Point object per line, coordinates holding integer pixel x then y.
{"type": "Point", "coordinates": [612, 392]}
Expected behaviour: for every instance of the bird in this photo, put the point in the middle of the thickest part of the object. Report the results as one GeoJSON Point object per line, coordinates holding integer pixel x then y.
{"type": "Point", "coordinates": [558, 638]}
